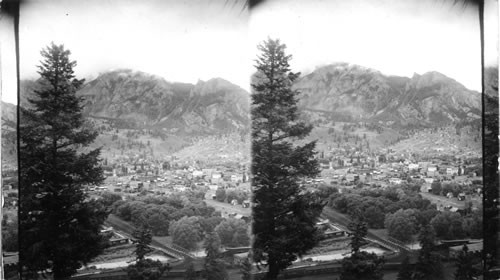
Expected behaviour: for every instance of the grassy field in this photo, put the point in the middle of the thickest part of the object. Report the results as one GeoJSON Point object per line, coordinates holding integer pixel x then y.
{"type": "Point", "coordinates": [375, 139]}
{"type": "Point", "coordinates": [226, 208]}
{"type": "Point", "coordinates": [115, 144]}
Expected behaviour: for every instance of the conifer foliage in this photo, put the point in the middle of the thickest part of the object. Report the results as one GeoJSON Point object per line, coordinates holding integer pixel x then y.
{"type": "Point", "coordinates": [429, 265]}
{"type": "Point", "coordinates": [59, 226]}
{"type": "Point", "coordinates": [284, 214]}
{"type": "Point", "coordinates": [144, 268]}
{"type": "Point", "coordinates": [215, 268]}
{"type": "Point", "coordinates": [361, 265]}
{"type": "Point", "coordinates": [465, 265]}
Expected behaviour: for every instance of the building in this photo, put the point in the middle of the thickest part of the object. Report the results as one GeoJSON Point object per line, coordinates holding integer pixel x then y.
{"type": "Point", "coordinates": [198, 173]}
{"type": "Point", "coordinates": [429, 180]}
{"type": "Point", "coordinates": [413, 166]}
{"type": "Point", "coordinates": [395, 181]}
{"type": "Point", "coordinates": [452, 171]}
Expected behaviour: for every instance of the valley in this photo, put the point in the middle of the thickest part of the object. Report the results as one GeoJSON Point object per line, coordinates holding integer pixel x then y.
{"type": "Point", "coordinates": [187, 143]}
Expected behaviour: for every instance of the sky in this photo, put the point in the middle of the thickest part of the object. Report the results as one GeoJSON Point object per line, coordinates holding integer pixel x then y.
{"type": "Point", "coordinates": [188, 40]}
{"type": "Point", "coordinates": [181, 41]}
{"type": "Point", "coordinates": [394, 37]}
{"type": "Point", "coordinates": [7, 60]}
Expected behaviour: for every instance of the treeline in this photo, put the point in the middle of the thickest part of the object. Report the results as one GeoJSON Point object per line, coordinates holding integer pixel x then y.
{"type": "Point", "coordinates": [403, 212]}
{"type": "Point", "coordinates": [185, 217]}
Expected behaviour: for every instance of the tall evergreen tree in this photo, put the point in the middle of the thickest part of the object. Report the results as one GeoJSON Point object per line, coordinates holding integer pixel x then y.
{"type": "Point", "coordinates": [246, 269]}
{"type": "Point", "coordinates": [359, 228]}
{"type": "Point", "coordinates": [284, 214]}
{"type": "Point", "coordinates": [428, 264]}
{"type": "Point", "coordinates": [405, 271]}
{"type": "Point", "coordinates": [214, 267]}
{"type": "Point", "coordinates": [465, 265]}
{"type": "Point", "coordinates": [59, 225]}
{"type": "Point", "coordinates": [190, 271]}
{"type": "Point", "coordinates": [144, 238]}
{"type": "Point", "coordinates": [361, 265]}
{"type": "Point", "coordinates": [145, 269]}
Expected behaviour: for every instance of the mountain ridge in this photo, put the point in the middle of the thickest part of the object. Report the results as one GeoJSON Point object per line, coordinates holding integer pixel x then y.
{"type": "Point", "coordinates": [137, 99]}
{"type": "Point", "coordinates": [355, 92]}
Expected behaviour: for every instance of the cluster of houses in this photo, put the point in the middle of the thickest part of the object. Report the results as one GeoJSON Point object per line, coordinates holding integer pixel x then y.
{"type": "Point", "coordinates": [393, 169]}
{"type": "Point", "coordinates": [171, 176]}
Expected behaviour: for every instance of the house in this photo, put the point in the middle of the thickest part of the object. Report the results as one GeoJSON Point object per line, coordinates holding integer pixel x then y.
{"type": "Point", "coordinates": [429, 180]}
{"type": "Point", "coordinates": [461, 196]}
{"type": "Point", "coordinates": [431, 169]}
{"type": "Point", "coordinates": [213, 187]}
{"type": "Point", "coordinates": [198, 173]}
{"type": "Point", "coordinates": [179, 188]}
{"type": "Point", "coordinates": [324, 164]}
{"type": "Point", "coordinates": [395, 181]}
{"type": "Point", "coordinates": [451, 171]}
{"type": "Point", "coordinates": [236, 178]}
{"type": "Point", "coordinates": [245, 204]}
{"type": "Point", "coordinates": [351, 177]}
{"type": "Point", "coordinates": [413, 166]}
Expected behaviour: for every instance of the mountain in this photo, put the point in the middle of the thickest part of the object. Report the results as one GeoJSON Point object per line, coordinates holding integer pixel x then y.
{"type": "Point", "coordinates": [133, 99]}
{"type": "Point", "coordinates": [144, 100]}
{"type": "Point", "coordinates": [349, 92]}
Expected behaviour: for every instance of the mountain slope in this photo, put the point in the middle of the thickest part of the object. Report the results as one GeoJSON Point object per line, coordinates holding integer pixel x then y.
{"type": "Point", "coordinates": [352, 92]}
{"type": "Point", "coordinates": [145, 100]}
{"type": "Point", "coordinates": [135, 99]}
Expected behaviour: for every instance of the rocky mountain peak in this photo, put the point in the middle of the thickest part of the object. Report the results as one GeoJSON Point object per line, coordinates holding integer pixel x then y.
{"type": "Point", "coordinates": [353, 92]}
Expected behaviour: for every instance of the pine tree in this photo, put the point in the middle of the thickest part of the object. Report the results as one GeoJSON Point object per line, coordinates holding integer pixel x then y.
{"type": "Point", "coordinates": [59, 225]}
{"type": "Point", "coordinates": [465, 266]}
{"type": "Point", "coordinates": [145, 269]}
{"type": "Point", "coordinates": [214, 267]}
{"type": "Point", "coordinates": [361, 265]}
{"type": "Point", "coordinates": [144, 238]}
{"type": "Point", "coordinates": [360, 230]}
{"type": "Point", "coordinates": [429, 264]}
{"type": "Point", "coordinates": [405, 272]}
{"type": "Point", "coordinates": [190, 271]}
{"type": "Point", "coordinates": [284, 214]}
{"type": "Point", "coordinates": [246, 269]}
